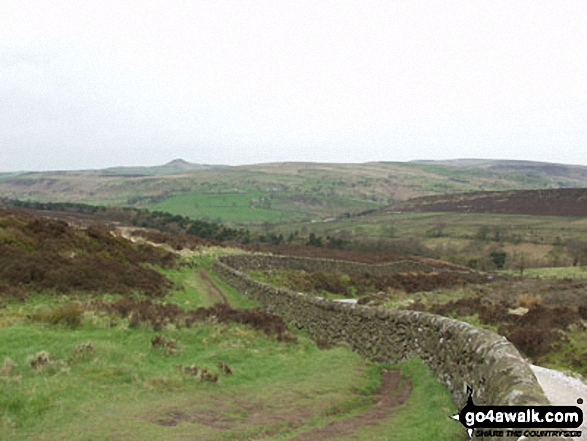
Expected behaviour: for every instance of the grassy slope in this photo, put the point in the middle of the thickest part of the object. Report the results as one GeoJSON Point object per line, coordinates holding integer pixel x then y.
{"type": "Point", "coordinates": [228, 207]}
{"type": "Point", "coordinates": [125, 389]}
{"type": "Point", "coordinates": [297, 190]}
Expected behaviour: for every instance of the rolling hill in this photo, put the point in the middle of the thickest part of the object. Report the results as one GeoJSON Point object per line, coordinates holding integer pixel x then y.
{"type": "Point", "coordinates": [284, 192]}
{"type": "Point", "coordinates": [550, 202]}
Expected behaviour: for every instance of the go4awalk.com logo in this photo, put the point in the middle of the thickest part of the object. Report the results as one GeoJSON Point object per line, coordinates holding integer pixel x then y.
{"type": "Point", "coordinates": [518, 421]}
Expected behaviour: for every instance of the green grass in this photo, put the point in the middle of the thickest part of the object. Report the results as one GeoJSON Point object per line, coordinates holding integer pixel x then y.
{"type": "Point", "coordinates": [124, 370]}
{"type": "Point", "coordinates": [192, 291]}
{"type": "Point", "coordinates": [542, 240]}
{"type": "Point", "coordinates": [124, 388]}
{"type": "Point", "coordinates": [226, 207]}
{"type": "Point", "coordinates": [418, 417]}
{"type": "Point", "coordinates": [253, 207]}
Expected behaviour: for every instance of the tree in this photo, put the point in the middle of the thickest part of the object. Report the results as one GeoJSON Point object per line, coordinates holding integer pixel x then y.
{"type": "Point", "coordinates": [498, 258]}
{"type": "Point", "coordinates": [314, 241]}
{"type": "Point", "coordinates": [523, 263]}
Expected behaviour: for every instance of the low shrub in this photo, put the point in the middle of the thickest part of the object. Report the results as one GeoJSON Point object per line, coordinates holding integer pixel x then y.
{"type": "Point", "coordinates": [12, 292]}
{"type": "Point", "coordinates": [529, 301]}
{"type": "Point", "coordinates": [270, 324]}
{"type": "Point", "coordinates": [534, 341]}
{"type": "Point", "coordinates": [70, 314]}
{"type": "Point", "coordinates": [155, 315]}
{"type": "Point", "coordinates": [158, 315]}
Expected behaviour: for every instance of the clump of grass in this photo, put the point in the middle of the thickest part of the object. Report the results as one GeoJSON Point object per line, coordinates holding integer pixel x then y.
{"type": "Point", "coordinates": [159, 315]}
{"type": "Point", "coordinates": [169, 345]}
{"type": "Point", "coordinates": [81, 351]}
{"type": "Point", "coordinates": [203, 374]}
{"type": "Point", "coordinates": [225, 368]}
{"type": "Point", "coordinates": [70, 314]}
{"type": "Point", "coordinates": [12, 292]}
{"type": "Point", "coordinates": [156, 315]}
{"type": "Point", "coordinates": [529, 301]}
{"type": "Point", "coordinates": [40, 360]}
{"type": "Point", "coordinates": [8, 366]}
{"type": "Point", "coordinates": [84, 348]}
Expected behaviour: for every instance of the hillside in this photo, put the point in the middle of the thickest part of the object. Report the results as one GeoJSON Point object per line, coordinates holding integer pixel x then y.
{"type": "Point", "coordinates": [96, 342]}
{"type": "Point", "coordinates": [561, 171]}
{"type": "Point", "coordinates": [552, 202]}
{"type": "Point", "coordinates": [172, 167]}
{"type": "Point", "coordinates": [41, 254]}
{"type": "Point", "coordinates": [282, 192]}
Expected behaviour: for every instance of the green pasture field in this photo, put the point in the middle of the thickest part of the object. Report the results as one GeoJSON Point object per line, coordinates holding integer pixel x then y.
{"type": "Point", "coordinates": [226, 207]}
{"type": "Point", "coordinates": [241, 208]}
{"type": "Point", "coordinates": [105, 380]}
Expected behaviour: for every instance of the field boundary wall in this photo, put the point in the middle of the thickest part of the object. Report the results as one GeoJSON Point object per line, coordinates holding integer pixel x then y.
{"type": "Point", "coordinates": [459, 354]}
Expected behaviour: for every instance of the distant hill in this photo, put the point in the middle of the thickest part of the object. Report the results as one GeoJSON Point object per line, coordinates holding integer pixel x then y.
{"type": "Point", "coordinates": [176, 166]}
{"type": "Point", "coordinates": [564, 171]}
{"type": "Point", "coordinates": [285, 191]}
{"type": "Point", "coordinates": [552, 202]}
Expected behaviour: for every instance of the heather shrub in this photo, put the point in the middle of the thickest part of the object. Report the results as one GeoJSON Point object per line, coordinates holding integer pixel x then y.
{"type": "Point", "coordinates": [534, 341]}
{"type": "Point", "coordinates": [270, 324]}
{"type": "Point", "coordinates": [50, 255]}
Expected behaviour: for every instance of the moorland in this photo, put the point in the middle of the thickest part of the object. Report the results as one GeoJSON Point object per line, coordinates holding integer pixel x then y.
{"type": "Point", "coordinates": [114, 323]}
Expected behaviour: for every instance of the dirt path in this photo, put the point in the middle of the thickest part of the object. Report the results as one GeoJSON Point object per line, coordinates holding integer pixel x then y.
{"type": "Point", "coordinates": [214, 294]}
{"type": "Point", "coordinates": [563, 390]}
{"type": "Point", "coordinates": [386, 398]}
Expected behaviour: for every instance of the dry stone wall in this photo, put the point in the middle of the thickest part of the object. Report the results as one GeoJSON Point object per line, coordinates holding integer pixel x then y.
{"type": "Point", "coordinates": [268, 262]}
{"type": "Point", "coordinates": [458, 354]}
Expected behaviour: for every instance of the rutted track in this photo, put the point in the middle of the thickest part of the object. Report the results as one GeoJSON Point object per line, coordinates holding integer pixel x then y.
{"type": "Point", "coordinates": [213, 291]}
{"type": "Point", "coordinates": [389, 396]}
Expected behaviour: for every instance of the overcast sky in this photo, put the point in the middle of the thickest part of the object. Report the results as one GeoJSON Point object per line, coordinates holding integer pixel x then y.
{"type": "Point", "coordinates": [92, 84]}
